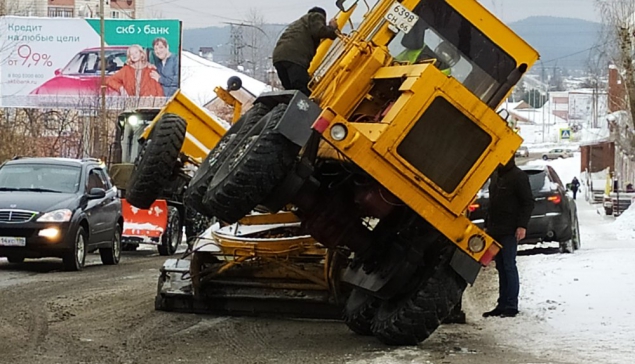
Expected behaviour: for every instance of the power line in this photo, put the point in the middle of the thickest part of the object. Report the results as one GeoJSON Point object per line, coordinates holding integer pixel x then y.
{"type": "Point", "coordinates": [572, 54]}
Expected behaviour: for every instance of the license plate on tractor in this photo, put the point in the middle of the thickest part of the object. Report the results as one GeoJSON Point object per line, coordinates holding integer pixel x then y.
{"type": "Point", "coordinates": [11, 241]}
{"type": "Point", "coordinates": [401, 18]}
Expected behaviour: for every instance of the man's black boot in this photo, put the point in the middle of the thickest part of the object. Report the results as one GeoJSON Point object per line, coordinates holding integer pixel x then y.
{"type": "Point", "coordinates": [495, 312]}
{"type": "Point", "coordinates": [509, 312]}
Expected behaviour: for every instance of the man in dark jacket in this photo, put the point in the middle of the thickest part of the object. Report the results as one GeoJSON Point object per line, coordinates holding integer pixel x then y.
{"type": "Point", "coordinates": [511, 205]}
{"type": "Point", "coordinates": [297, 46]}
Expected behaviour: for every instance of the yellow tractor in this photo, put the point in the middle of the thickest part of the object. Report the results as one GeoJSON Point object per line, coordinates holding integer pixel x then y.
{"type": "Point", "coordinates": [360, 190]}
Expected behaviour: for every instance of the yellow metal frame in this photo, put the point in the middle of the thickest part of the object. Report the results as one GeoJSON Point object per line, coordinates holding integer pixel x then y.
{"type": "Point", "coordinates": [370, 36]}
{"type": "Point", "coordinates": [373, 147]}
{"type": "Point", "coordinates": [203, 131]}
{"type": "Point", "coordinates": [230, 100]}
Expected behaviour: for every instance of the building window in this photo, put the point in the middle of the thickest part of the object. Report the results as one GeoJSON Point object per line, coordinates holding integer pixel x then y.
{"type": "Point", "coordinates": [114, 14]}
{"type": "Point", "coordinates": [57, 12]}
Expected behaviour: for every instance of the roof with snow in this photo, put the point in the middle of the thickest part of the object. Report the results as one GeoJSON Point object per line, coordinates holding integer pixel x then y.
{"type": "Point", "coordinates": [199, 77]}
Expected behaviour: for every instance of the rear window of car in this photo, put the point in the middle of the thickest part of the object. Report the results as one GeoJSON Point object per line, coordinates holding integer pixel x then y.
{"type": "Point", "coordinates": [538, 180]}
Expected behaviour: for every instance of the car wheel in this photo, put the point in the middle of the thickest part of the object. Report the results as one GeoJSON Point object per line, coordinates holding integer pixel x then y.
{"type": "Point", "coordinates": [75, 258]}
{"type": "Point", "coordinates": [111, 256]}
{"type": "Point", "coordinates": [576, 234]}
{"type": "Point", "coordinates": [566, 247]}
{"type": "Point", "coordinates": [544, 157]}
{"type": "Point", "coordinates": [173, 235]}
{"type": "Point", "coordinates": [15, 260]}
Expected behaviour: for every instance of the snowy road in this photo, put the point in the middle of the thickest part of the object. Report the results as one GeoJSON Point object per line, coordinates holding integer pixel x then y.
{"type": "Point", "coordinates": [575, 309]}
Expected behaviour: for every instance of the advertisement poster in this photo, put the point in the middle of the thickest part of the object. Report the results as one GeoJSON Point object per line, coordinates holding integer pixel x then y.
{"type": "Point", "coordinates": [56, 63]}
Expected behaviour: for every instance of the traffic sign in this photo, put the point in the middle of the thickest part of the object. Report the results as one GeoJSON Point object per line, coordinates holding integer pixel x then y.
{"type": "Point", "coordinates": [565, 134]}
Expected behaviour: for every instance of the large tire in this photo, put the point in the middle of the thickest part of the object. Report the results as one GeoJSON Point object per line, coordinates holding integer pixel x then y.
{"type": "Point", "coordinates": [217, 156]}
{"type": "Point", "coordinates": [359, 312]}
{"type": "Point", "coordinates": [155, 164]}
{"type": "Point", "coordinates": [411, 318]}
{"type": "Point", "coordinates": [173, 235]}
{"type": "Point", "coordinates": [112, 255]}
{"type": "Point", "coordinates": [576, 234]}
{"type": "Point", "coordinates": [256, 166]}
{"type": "Point", "coordinates": [196, 224]}
{"type": "Point", "coordinates": [75, 258]}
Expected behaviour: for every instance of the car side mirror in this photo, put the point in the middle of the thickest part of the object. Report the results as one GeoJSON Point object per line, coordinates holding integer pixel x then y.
{"type": "Point", "coordinates": [96, 193]}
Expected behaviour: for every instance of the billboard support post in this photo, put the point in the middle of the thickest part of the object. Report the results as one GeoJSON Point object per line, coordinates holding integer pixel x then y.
{"type": "Point", "coordinates": [102, 137]}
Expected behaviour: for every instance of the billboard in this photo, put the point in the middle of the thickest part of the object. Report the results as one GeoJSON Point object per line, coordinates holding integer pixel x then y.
{"type": "Point", "coordinates": [56, 62]}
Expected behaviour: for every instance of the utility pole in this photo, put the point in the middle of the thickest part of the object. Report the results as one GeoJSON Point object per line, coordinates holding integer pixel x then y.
{"type": "Point", "coordinates": [237, 45]}
{"type": "Point", "coordinates": [102, 139]}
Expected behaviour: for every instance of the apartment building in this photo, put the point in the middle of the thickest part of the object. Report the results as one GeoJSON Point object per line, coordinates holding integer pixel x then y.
{"type": "Point", "coordinates": [115, 9]}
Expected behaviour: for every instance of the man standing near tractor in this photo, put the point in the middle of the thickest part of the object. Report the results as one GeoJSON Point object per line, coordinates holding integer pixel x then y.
{"type": "Point", "coordinates": [511, 204]}
{"type": "Point", "coordinates": [297, 46]}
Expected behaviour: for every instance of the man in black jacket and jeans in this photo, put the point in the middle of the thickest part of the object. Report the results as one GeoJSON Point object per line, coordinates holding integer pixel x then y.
{"type": "Point", "coordinates": [297, 46]}
{"type": "Point", "coordinates": [511, 205]}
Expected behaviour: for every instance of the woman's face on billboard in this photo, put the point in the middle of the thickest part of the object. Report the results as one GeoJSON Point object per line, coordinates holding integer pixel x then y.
{"type": "Point", "coordinates": [135, 55]}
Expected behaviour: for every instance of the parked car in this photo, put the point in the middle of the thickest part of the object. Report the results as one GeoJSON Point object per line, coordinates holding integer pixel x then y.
{"type": "Point", "coordinates": [523, 151]}
{"type": "Point", "coordinates": [81, 76]}
{"type": "Point", "coordinates": [554, 217]}
{"type": "Point", "coordinates": [558, 153]}
{"type": "Point", "coordinates": [64, 208]}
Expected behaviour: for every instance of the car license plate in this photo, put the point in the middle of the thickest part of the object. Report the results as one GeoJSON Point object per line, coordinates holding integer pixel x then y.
{"type": "Point", "coordinates": [402, 18]}
{"type": "Point", "coordinates": [10, 241]}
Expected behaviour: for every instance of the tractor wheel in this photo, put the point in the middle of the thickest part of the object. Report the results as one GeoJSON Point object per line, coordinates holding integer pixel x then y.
{"type": "Point", "coordinates": [206, 171]}
{"type": "Point", "coordinates": [359, 312]}
{"type": "Point", "coordinates": [173, 235]}
{"type": "Point", "coordinates": [155, 164]}
{"type": "Point", "coordinates": [412, 317]}
{"type": "Point", "coordinates": [256, 166]}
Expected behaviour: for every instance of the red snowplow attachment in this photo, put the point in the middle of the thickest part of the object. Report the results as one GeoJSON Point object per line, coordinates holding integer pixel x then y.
{"type": "Point", "coordinates": [145, 224]}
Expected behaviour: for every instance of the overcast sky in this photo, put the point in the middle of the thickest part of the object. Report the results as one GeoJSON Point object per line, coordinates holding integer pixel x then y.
{"type": "Point", "coordinates": [203, 13]}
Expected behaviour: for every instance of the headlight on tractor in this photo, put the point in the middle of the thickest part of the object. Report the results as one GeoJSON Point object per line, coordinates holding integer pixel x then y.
{"type": "Point", "coordinates": [476, 244]}
{"type": "Point", "coordinates": [338, 132]}
{"type": "Point", "coordinates": [63, 215]}
{"type": "Point", "coordinates": [133, 120]}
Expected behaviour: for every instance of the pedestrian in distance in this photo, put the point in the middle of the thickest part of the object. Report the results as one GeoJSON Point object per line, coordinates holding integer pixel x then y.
{"type": "Point", "coordinates": [297, 46]}
{"type": "Point", "coordinates": [511, 205]}
{"type": "Point", "coordinates": [575, 186]}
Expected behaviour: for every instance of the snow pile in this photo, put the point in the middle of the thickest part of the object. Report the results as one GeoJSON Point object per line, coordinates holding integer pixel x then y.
{"type": "Point", "coordinates": [625, 224]}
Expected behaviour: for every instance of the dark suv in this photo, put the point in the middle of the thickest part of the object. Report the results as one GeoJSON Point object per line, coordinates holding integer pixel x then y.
{"type": "Point", "coordinates": [554, 217]}
{"type": "Point", "coordinates": [52, 207]}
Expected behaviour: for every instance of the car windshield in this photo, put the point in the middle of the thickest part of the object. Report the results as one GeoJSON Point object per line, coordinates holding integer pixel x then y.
{"type": "Point", "coordinates": [40, 178]}
{"type": "Point", "coordinates": [88, 62]}
{"type": "Point", "coordinates": [460, 49]}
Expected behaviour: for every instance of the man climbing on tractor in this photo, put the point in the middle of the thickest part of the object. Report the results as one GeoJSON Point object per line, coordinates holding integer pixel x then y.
{"type": "Point", "coordinates": [297, 45]}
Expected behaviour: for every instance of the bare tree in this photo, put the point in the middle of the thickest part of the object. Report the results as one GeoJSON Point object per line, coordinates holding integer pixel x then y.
{"type": "Point", "coordinates": [259, 40]}
{"type": "Point", "coordinates": [618, 37]}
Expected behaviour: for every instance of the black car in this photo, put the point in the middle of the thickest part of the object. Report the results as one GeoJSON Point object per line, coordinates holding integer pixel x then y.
{"type": "Point", "coordinates": [53, 207]}
{"type": "Point", "coordinates": [554, 217]}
